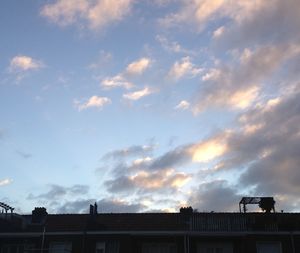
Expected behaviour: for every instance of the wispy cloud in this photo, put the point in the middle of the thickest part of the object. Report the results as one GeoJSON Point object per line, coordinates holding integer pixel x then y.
{"type": "Point", "coordinates": [23, 154]}
{"type": "Point", "coordinates": [118, 81]}
{"type": "Point", "coordinates": [138, 67]}
{"type": "Point", "coordinates": [94, 101]}
{"type": "Point", "coordinates": [132, 151]}
{"type": "Point", "coordinates": [184, 68]}
{"type": "Point", "coordinates": [57, 192]}
{"type": "Point", "coordinates": [121, 80]}
{"type": "Point", "coordinates": [24, 63]}
{"type": "Point", "coordinates": [92, 14]}
{"type": "Point", "coordinates": [104, 58]}
{"type": "Point", "coordinates": [183, 105]}
{"type": "Point", "coordinates": [5, 181]}
{"type": "Point", "coordinates": [172, 46]}
{"type": "Point", "coordinates": [136, 95]}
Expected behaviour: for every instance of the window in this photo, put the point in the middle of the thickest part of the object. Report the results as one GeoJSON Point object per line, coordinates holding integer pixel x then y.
{"type": "Point", "coordinates": [214, 250]}
{"type": "Point", "coordinates": [159, 248]}
{"type": "Point", "coordinates": [107, 247]}
{"type": "Point", "coordinates": [268, 247]}
{"type": "Point", "coordinates": [100, 247]}
{"type": "Point", "coordinates": [60, 247]}
{"type": "Point", "coordinates": [17, 248]}
{"type": "Point", "coordinates": [214, 247]}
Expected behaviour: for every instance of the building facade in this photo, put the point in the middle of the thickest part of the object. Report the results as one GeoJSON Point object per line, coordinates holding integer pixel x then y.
{"type": "Point", "coordinates": [183, 232]}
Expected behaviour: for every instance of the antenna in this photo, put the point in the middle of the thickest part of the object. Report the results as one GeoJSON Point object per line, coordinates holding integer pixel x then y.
{"type": "Point", "coordinates": [267, 204]}
{"type": "Point", "coordinates": [6, 207]}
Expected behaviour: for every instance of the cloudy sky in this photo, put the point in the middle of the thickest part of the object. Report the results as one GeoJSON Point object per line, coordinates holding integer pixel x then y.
{"type": "Point", "coordinates": [149, 105]}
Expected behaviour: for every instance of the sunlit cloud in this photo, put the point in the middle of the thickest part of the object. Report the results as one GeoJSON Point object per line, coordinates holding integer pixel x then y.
{"type": "Point", "coordinates": [142, 161]}
{"type": "Point", "coordinates": [148, 181]}
{"type": "Point", "coordinates": [238, 86]}
{"type": "Point", "coordinates": [24, 63]}
{"type": "Point", "coordinates": [200, 12]}
{"type": "Point", "coordinates": [136, 95]}
{"type": "Point", "coordinates": [94, 101]}
{"type": "Point", "coordinates": [118, 81]}
{"type": "Point", "coordinates": [243, 98]}
{"type": "Point", "coordinates": [183, 68]}
{"type": "Point", "coordinates": [218, 32]}
{"type": "Point", "coordinates": [138, 67]}
{"type": "Point", "coordinates": [93, 14]}
{"type": "Point", "coordinates": [183, 105]}
{"type": "Point", "coordinates": [157, 180]}
{"type": "Point", "coordinates": [208, 150]}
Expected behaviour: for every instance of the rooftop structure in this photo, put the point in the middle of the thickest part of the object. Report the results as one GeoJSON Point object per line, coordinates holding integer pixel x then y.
{"type": "Point", "coordinates": [184, 232]}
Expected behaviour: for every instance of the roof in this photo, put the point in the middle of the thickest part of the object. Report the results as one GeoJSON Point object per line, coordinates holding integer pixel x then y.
{"type": "Point", "coordinates": [114, 222]}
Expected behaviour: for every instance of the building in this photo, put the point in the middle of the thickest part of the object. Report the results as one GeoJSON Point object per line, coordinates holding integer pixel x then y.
{"type": "Point", "coordinates": [183, 232]}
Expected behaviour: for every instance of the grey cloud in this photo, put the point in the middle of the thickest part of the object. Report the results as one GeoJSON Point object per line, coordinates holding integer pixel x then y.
{"type": "Point", "coordinates": [104, 206]}
{"type": "Point", "coordinates": [58, 191]}
{"type": "Point", "coordinates": [131, 151]}
{"type": "Point", "coordinates": [223, 83]}
{"type": "Point", "coordinates": [274, 22]}
{"type": "Point", "coordinates": [173, 158]}
{"type": "Point", "coordinates": [120, 184]}
{"type": "Point", "coordinates": [279, 128]}
{"type": "Point", "coordinates": [271, 154]}
{"type": "Point", "coordinates": [76, 206]}
{"type": "Point", "coordinates": [24, 155]}
{"type": "Point", "coordinates": [215, 196]}
{"type": "Point", "coordinates": [277, 172]}
{"type": "Point", "coordinates": [78, 189]}
{"type": "Point", "coordinates": [162, 181]}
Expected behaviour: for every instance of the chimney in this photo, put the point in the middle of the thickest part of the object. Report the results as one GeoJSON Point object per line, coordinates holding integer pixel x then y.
{"type": "Point", "coordinates": [91, 210]}
{"type": "Point", "coordinates": [39, 214]}
{"type": "Point", "coordinates": [95, 208]}
{"type": "Point", "coordinates": [186, 210]}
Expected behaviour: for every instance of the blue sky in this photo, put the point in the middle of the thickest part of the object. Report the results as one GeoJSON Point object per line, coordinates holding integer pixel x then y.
{"type": "Point", "coordinates": [149, 105]}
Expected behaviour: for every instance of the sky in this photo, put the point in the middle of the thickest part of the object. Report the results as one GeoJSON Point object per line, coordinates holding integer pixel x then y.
{"type": "Point", "coordinates": [149, 105]}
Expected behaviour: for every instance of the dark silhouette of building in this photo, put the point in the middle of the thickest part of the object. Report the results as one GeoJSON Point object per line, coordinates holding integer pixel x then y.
{"type": "Point", "coordinates": [184, 232]}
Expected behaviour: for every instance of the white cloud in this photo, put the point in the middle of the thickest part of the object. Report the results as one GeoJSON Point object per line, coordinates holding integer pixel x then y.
{"type": "Point", "coordinates": [138, 67]}
{"type": "Point", "coordinates": [201, 12]}
{"type": "Point", "coordinates": [197, 11]}
{"type": "Point", "coordinates": [115, 82]}
{"type": "Point", "coordinates": [93, 101]}
{"type": "Point", "coordinates": [103, 59]}
{"type": "Point", "coordinates": [183, 105]}
{"type": "Point", "coordinates": [5, 181]}
{"type": "Point", "coordinates": [243, 98]}
{"type": "Point", "coordinates": [93, 14]}
{"type": "Point", "coordinates": [217, 33]}
{"type": "Point", "coordinates": [24, 63]}
{"type": "Point", "coordinates": [182, 68]}
{"type": "Point", "coordinates": [209, 149]}
{"type": "Point", "coordinates": [172, 46]}
{"type": "Point", "coordinates": [136, 95]}
{"type": "Point", "coordinates": [211, 75]}
{"type": "Point", "coordinates": [238, 85]}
